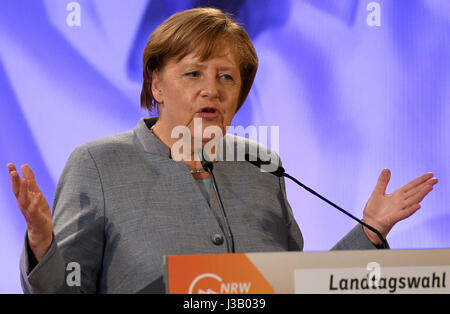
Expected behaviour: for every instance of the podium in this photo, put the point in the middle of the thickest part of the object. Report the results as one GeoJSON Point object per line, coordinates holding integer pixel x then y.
{"type": "Point", "coordinates": [366, 271]}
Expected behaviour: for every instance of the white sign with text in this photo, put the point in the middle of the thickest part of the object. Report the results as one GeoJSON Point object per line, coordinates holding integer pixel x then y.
{"type": "Point", "coordinates": [424, 279]}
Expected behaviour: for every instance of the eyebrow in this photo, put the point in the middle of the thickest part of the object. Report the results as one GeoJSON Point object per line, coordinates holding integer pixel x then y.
{"type": "Point", "coordinates": [202, 66]}
{"type": "Point", "coordinates": [225, 68]}
{"type": "Point", "coordinates": [196, 65]}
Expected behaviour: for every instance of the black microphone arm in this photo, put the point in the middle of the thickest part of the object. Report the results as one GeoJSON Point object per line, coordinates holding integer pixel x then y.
{"type": "Point", "coordinates": [208, 167]}
{"type": "Point", "coordinates": [280, 172]}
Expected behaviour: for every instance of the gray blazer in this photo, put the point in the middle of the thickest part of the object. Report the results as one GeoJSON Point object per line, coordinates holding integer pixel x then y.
{"type": "Point", "coordinates": [122, 204]}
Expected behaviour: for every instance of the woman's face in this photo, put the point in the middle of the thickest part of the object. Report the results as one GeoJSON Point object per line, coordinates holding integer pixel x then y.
{"type": "Point", "coordinates": [189, 89]}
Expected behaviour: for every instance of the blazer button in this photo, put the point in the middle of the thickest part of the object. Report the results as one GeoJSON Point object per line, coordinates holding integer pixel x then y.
{"type": "Point", "coordinates": [217, 239]}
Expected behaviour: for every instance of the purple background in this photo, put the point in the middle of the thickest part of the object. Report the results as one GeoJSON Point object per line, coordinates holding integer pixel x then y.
{"type": "Point", "coordinates": [350, 100]}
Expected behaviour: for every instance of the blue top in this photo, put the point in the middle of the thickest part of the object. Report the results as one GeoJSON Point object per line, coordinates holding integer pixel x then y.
{"type": "Point", "coordinates": [205, 186]}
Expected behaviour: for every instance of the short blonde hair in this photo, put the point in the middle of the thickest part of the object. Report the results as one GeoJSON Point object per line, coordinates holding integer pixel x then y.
{"type": "Point", "coordinates": [200, 28]}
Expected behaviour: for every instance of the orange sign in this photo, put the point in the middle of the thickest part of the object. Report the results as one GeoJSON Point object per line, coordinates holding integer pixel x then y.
{"type": "Point", "coordinates": [214, 274]}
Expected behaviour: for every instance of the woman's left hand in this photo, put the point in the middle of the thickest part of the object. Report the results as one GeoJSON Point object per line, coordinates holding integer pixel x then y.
{"type": "Point", "coordinates": [383, 210]}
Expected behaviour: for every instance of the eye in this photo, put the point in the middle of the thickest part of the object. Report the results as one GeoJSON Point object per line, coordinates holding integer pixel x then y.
{"type": "Point", "coordinates": [226, 77]}
{"type": "Point", "coordinates": [192, 74]}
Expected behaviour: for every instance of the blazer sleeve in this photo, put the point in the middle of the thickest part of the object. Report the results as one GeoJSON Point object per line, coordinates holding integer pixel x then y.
{"type": "Point", "coordinates": [356, 239]}
{"type": "Point", "coordinates": [78, 233]}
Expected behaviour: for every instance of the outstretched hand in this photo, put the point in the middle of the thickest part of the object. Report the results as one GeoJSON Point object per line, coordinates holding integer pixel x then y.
{"type": "Point", "coordinates": [34, 208]}
{"type": "Point", "coordinates": [383, 210]}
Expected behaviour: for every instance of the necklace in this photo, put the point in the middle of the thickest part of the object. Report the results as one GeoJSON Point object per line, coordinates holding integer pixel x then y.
{"type": "Point", "coordinates": [197, 170]}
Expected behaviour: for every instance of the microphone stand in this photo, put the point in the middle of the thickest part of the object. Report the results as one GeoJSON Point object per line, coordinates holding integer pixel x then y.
{"type": "Point", "coordinates": [383, 240]}
{"type": "Point", "coordinates": [208, 167]}
{"type": "Point", "coordinates": [280, 172]}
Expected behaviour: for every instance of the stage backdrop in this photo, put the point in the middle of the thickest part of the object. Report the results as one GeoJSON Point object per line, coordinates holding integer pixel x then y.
{"type": "Point", "coordinates": [355, 86]}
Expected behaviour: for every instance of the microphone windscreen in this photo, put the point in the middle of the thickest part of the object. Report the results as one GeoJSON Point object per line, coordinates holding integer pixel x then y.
{"type": "Point", "coordinates": [205, 161]}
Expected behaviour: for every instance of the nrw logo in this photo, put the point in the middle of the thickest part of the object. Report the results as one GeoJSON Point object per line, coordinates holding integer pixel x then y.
{"type": "Point", "coordinates": [209, 283]}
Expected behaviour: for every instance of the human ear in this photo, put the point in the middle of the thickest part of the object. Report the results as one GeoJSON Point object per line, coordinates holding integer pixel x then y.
{"type": "Point", "coordinates": [156, 87]}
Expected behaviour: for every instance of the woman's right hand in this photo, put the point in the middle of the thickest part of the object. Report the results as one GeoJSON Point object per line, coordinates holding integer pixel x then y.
{"type": "Point", "coordinates": [35, 209]}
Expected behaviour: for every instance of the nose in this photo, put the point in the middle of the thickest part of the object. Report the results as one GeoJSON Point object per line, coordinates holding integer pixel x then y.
{"type": "Point", "coordinates": [210, 88]}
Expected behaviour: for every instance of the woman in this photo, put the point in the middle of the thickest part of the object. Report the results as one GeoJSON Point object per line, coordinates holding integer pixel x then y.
{"type": "Point", "coordinates": [124, 202]}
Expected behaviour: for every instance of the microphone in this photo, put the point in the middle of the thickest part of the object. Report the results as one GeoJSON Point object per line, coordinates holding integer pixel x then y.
{"type": "Point", "coordinates": [206, 163]}
{"type": "Point", "coordinates": [208, 167]}
{"type": "Point", "coordinates": [280, 172]}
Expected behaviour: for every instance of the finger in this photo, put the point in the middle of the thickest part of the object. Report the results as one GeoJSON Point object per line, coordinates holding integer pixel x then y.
{"type": "Point", "coordinates": [29, 175]}
{"type": "Point", "coordinates": [417, 189]}
{"type": "Point", "coordinates": [33, 209]}
{"type": "Point", "coordinates": [15, 182]}
{"type": "Point", "coordinates": [416, 182]}
{"type": "Point", "coordinates": [419, 196]}
{"type": "Point", "coordinates": [23, 195]}
{"type": "Point", "coordinates": [11, 167]}
{"type": "Point", "coordinates": [382, 182]}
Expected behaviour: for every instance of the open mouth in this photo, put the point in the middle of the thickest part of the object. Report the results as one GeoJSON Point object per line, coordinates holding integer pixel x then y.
{"type": "Point", "coordinates": [209, 113]}
{"type": "Point", "coordinates": [209, 110]}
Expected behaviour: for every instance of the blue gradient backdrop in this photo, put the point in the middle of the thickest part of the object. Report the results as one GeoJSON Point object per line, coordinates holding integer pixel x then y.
{"type": "Point", "coordinates": [350, 100]}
